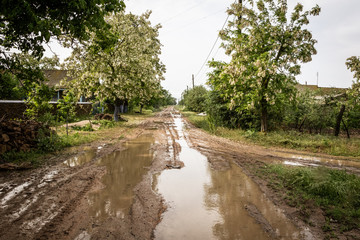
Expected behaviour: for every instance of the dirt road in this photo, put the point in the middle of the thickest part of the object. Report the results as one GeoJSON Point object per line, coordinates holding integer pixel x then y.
{"type": "Point", "coordinates": [165, 180]}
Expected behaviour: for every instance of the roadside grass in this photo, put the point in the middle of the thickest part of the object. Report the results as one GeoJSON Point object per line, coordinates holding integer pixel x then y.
{"type": "Point", "coordinates": [59, 140]}
{"type": "Point", "coordinates": [335, 191]}
{"type": "Point", "coordinates": [287, 139]}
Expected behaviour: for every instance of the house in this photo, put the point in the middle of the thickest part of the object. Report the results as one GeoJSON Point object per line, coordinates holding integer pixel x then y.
{"type": "Point", "coordinates": [322, 92]}
{"type": "Point", "coordinates": [55, 77]}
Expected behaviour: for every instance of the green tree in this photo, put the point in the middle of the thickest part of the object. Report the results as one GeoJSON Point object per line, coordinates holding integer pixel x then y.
{"type": "Point", "coordinates": [120, 64]}
{"type": "Point", "coordinates": [353, 106]}
{"type": "Point", "coordinates": [267, 49]}
{"type": "Point", "coordinates": [27, 25]}
{"type": "Point", "coordinates": [195, 99]}
{"type": "Point", "coordinates": [66, 109]}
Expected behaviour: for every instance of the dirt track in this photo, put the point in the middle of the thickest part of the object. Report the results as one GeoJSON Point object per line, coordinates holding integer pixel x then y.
{"type": "Point", "coordinates": [53, 202]}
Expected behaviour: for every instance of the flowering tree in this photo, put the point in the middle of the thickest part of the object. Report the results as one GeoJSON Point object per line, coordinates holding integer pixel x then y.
{"type": "Point", "coordinates": [353, 103]}
{"type": "Point", "coordinates": [119, 64]}
{"type": "Point", "coordinates": [267, 48]}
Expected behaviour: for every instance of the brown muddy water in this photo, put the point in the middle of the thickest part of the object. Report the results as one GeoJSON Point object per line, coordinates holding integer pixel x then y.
{"type": "Point", "coordinates": [208, 204]}
{"type": "Point", "coordinates": [81, 158]}
{"type": "Point", "coordinates": [124, 170]}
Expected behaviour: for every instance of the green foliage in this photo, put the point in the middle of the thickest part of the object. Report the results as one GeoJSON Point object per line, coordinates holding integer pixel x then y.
{"type": "Point", "coordinates": [337, 192]}
{"type": "Point", "coordinates": [27, 25]}
{"type": "Point", "coordinates": [35, 158]}
{"type": "Point", "coordinates": [87, 128]}
{"type": "Point", "coordinates": [195, 99]}
{"type": "Point", "coordinates": [38, 101]}
{"type": "Point", "coordinates": [161, 98]}
{"type": "Point", "coordinates": [48, 141]}
{"type": "Point", "coordinates": [353, 105]}
{"type": "Point", "coordinates": [66, 107]}
{"type": "Point", "coordinates": [221, 116]}
{"type": "Point", "coordinates": [125, 58]}
{"type": "Point", "coordinates": [287, 139]}
{"type": "Point", "coordinates": [267, 49]}
{"type": "Point", "coordinates": [10, 89]}
{"type": "Point", "coordinates": [104, 124]}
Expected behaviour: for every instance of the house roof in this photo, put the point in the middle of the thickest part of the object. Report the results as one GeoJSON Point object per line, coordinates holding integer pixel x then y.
{"type": "Point", "coordinates": [321, 91]}
{"type": "Point", "coordinates": [55, 77]}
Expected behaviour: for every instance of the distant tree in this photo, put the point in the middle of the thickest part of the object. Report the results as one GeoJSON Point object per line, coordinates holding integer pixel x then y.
{"type": "Point", "coordinates": [195, 99]}
{"type": "Point", "coordinates": [120, 64]}
{"type": "Point", "coordinates": [266, 49]}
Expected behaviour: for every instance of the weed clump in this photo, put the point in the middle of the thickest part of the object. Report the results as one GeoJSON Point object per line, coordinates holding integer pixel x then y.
{"type": "Point", "coordinates": [335, 191]}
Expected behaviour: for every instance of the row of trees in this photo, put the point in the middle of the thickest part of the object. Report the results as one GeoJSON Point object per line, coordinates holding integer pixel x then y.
{"type": "Point", "coordinates": [257, 88]}
{"type": "Point", "coordinates": [115, 55]}
{"type": "Point", "coordinates": [312, 111]}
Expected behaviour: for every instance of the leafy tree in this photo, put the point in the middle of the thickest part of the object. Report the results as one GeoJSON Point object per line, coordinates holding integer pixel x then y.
{"type": "Point", "coordinates": [266, 49]}
{"type": "Point", "coordinates": [353, 113]}
{"type": "Point", "coordinates": [159, 98]}
{"type": "Point", "coordinates": [66, 108]}
{"type": "Point", "coordinates": [195, 98]}
{"type": "Point", "coordinates": [26, 25]}
{"type": "Point", "coordinates": [38, 101]}
{"type": "Point", "coordinates": [10, 89]}
{"type": "Point", "coordinates": [120, 64]}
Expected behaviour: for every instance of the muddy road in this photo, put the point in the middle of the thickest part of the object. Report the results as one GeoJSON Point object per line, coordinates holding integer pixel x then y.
{"type": "Point", "coordinates": [164, 180]}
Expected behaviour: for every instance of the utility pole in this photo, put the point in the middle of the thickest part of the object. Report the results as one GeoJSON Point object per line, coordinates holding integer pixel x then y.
{"type": "Point", "coordinates": [317, 79]}
{"type": "Point", "coordinates": [193, 80]}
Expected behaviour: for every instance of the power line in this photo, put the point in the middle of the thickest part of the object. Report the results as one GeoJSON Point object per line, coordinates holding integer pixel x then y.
{"type": "Point", "coordinates": [227, 18]}
{"type": "Point", "coordinates": [193, 22]}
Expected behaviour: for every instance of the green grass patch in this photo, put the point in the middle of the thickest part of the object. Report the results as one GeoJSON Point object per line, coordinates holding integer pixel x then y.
{"type": "Point", "coordinates": [288, 139]}
{"type": "Point", "coordinates": [56, 142]}
{"type": "Point", "coordinates": [87, 128]}
{"type": "Point", "coordinates": [335, 191]}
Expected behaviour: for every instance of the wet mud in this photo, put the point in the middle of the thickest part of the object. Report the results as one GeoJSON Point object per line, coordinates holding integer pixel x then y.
{"type": "Point", "coordinates": [207, 203]}
{"type": "Point", "coordinates": [165, 180]}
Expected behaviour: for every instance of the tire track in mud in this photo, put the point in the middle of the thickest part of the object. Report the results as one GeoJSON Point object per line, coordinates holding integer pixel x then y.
{"type": "Point", "coordinates": [36, 213]}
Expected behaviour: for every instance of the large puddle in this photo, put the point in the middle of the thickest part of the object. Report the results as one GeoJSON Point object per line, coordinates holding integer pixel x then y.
{"type": "Point", "coordinates": [124, 170]}
{"type": "Point", "coordinates": [209, 204]}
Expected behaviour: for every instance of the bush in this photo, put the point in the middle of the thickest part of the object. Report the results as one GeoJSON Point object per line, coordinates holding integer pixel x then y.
{"type": "Point", "coordinates": [195, 98]}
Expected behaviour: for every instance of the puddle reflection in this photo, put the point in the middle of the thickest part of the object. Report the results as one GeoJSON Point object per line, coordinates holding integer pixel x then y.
{"type": "Point", "coordinates": [302, 160]}
{"type": "Point", "coordinates": [209, 204]}
{"type": "Point", "coordinates": [124, 170]}
{"type": "Point", "coordinates": [81, 159]}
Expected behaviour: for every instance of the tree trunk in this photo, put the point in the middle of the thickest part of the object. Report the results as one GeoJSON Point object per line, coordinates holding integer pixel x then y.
{"type": "Point", "coordinates": [67, 123]}
{"type": "Point", "coordinates": [338, 120]}
{"type": "Point", "coordinates": [347, 130]}
{"type": "Point", "coordinates": [264, 115]}
{"type": "Point", "coordinates": [117, 105]}
{"type": "Point", "coordinates": [302, 123]}
{"type": "Point", "coordinates": [141, 107]}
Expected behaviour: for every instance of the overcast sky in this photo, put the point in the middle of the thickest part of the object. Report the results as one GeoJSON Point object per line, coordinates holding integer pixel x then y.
{"type": "Point", "coordinates": [190, 28]}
